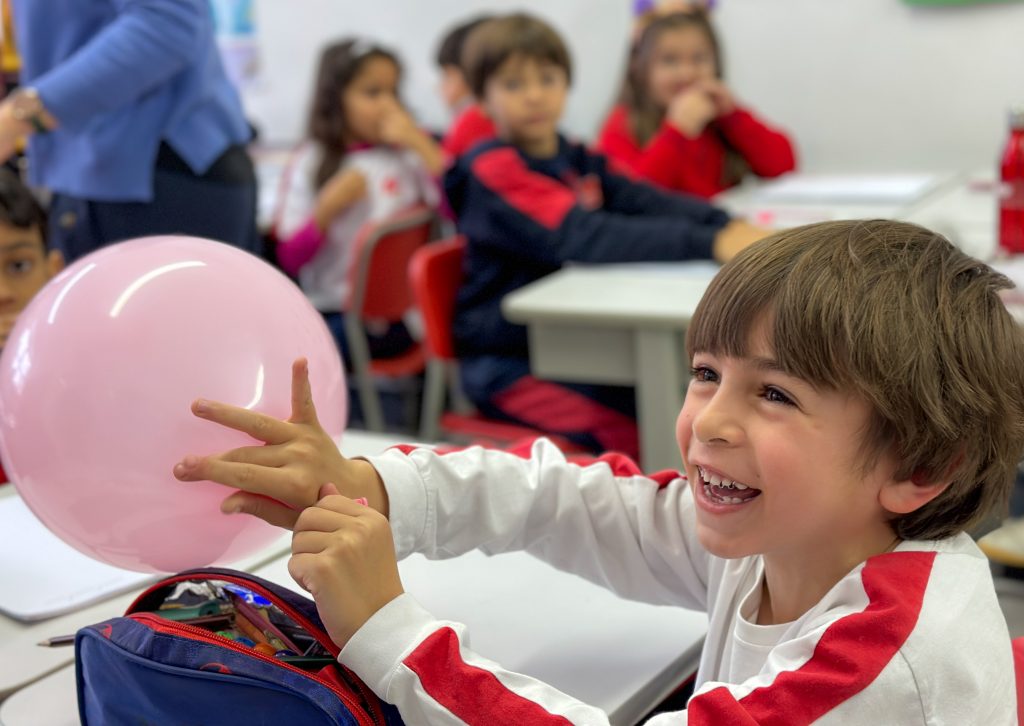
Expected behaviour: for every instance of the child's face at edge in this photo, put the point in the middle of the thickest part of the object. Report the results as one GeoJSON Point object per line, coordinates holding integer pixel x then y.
{"type": "Point", "coordinates": [454, 90]}
{"type": "Point", "coordinates": [525, 98]}
{"type": "Point", "coordinates": [25, 266]}
{"type": "Point", "coordinates": [680, 58]}
{"type": "Point", "coordinates": [746, 421]}
{"type": "Point", "coordinates": [369, 97]}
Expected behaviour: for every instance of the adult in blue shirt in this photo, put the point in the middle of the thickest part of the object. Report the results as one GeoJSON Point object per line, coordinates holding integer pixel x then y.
{"type": "Point", "coordinates": [134, 126]}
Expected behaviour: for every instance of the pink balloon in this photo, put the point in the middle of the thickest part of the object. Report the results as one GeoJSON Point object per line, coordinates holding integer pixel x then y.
{"type": "Point", "coordinates": [98, 375]}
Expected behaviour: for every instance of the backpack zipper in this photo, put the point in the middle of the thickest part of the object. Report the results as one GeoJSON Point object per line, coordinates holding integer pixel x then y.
{"type": "Point", "coordinates": [163, 625]}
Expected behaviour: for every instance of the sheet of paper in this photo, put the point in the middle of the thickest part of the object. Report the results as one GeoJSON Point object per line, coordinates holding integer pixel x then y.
{"type": "Point", "coordinates": [846, 188]}
{"type": "Point", "coordinates": [41, 577]}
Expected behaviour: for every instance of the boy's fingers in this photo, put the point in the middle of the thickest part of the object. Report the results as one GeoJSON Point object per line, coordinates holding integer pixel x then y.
{"type": "Point", "coordinates": [328, 515]}
{"type": "Point", "coordinates": [268, 455]}
{"type": "Point", "coordinates": [269, 510]}
{"type": "Point", "coordinates": [258, 425]}
{"type": "Point", "coordinates": [268, 481]}
{"type": "Point", "coordinates": [310, 542]}
{"type": "Point", "coordinates": [327, 490]}
{"type": "Point", "coordinates": [303, 410]}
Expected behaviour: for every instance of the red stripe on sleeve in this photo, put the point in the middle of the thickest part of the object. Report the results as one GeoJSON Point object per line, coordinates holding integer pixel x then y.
{"type": "Point", "coordinates": [846, 660]}
{"type": "Point", "coordinates": [530, 193]}
{"type": "Point", "coordinates": [472, 694]}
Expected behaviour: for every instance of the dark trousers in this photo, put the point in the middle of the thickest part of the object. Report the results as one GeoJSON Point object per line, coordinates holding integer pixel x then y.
{"type": "Point", "coordinates": [596, 417]}
{"type": "Point", "coordinates": [210, 206]}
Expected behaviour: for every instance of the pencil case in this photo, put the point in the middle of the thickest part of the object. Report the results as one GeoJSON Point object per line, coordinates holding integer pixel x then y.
{"type": "Point", "coordinates": [217, 646]}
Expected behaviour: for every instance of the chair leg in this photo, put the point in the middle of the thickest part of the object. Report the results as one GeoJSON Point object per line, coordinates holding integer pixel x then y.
{"type": "Point", "coordinates": [359, 352]}
{"type": "Point", "coordinates": [433, 400]}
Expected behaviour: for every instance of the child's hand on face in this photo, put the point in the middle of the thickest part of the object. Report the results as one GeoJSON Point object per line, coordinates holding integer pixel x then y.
{"type": "Point", "coordinates": [721, 96]}
{"type": "Point", "coordinates": [397, 128]}
{"type": "Point", "coordinates": [284, 476]}
{"type": "Point", "coordinates": [691, 110]}
{"type": "Point", "coordinates": [343, 554]}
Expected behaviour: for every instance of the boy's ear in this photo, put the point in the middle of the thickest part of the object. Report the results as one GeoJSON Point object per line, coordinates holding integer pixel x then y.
{"type": "Point", "coordinates": [54, 262]}
{"type": "Point", "coordinates": [909, 495]}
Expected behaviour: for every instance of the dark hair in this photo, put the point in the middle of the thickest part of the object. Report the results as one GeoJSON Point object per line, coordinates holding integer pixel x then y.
{"type": "Point", "coordinates": [340, 62]}
{"type": "Point", "coordinates": [897, 315]}
{"type": "Point", "coordinates": [497, 40]}
{"type": "Point", "coordinates": [449, 53]}
{"type": "Point", "coordinates": [644, 114]}
{"type": "Point", "coordinates": [18, 208]}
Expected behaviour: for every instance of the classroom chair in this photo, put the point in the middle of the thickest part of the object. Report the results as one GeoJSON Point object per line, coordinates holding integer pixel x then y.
{"type": "Point", "coordinates": [1018, 669]}
{"type": "Point", "coordinates": [379, 291]}
{"type": "Point", "coordinates": [435, 274]}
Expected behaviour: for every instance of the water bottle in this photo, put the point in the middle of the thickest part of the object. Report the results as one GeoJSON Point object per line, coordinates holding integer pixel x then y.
{"type": "Point", "coordinates": [1011, 201]}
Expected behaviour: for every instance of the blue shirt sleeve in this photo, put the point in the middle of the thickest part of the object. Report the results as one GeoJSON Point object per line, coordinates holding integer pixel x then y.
{"type": "Point", "coordinates": [146, 44]}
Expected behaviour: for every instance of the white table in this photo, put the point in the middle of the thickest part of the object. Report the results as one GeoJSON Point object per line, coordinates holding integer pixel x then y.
{"type": "Point", "coordinates": [622, 656]}
{"type": "Point", "coordinates": [22, 661]}
{"type": "Point", "coordinates": [625, 324]}
{"type": "Point", "coordinates": [618, 324]}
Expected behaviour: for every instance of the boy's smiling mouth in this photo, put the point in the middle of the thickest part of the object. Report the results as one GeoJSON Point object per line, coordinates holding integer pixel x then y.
{"type": "Point", "coordinates": [720, 490]}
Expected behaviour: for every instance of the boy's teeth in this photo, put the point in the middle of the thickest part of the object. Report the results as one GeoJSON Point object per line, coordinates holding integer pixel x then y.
{"type": "Point", "coordinates": [717, 481]}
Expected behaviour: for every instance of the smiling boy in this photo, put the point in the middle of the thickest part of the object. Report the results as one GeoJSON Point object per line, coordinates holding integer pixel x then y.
{"type": "Point", "coordinates": [857, 403]}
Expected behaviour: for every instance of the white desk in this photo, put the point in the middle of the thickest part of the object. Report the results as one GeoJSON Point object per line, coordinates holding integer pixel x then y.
{"type": "Point", "coordinates": [22, 661]}
{"type": "Point", "coordinates": [622, 656]}
{"type": "Point", "coordinates": [618, 324]}
{"type": "Point", "coordinates": [626, 324]}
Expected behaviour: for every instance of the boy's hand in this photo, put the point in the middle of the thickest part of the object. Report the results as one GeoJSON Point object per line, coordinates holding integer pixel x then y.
{"type": "Point", "coordinates": [344, 556]}
{"type": "Point", "coordinates": [692, 110]}
{"type": "Point", "coordinates": [282, 477]}
{"type": "Point", "coordinates": [735, 236]}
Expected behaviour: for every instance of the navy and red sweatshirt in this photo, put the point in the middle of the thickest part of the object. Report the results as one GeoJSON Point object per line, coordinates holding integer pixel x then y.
{"type": "Point", "coordinates": [524, 218]}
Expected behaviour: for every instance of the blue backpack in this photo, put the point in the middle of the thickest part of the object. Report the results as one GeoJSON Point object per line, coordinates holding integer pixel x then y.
{"type": "Point", "coordinates": [217, 646]}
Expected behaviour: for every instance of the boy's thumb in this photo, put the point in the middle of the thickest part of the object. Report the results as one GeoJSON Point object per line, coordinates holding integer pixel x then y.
{"type": "Point", "coordinates": [327, 490]}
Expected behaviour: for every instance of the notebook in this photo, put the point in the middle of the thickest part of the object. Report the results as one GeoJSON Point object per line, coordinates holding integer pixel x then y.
{"type": "Point", "coordinates": [41, 577]}
{"type": "Point", "coordinates": [846, 188]}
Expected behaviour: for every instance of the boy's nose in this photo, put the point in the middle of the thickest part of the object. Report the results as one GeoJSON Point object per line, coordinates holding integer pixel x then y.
{"type": "Point", "coordinates": [717, 423]}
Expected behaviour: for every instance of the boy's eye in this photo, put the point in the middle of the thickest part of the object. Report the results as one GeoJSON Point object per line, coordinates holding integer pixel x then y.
{"type": "Point", "coordinates": [511, 84]}
{"type": "Point", "coordinates": [774, 395]}
{"type": "Point", "coordinates": [703, 374]}
{"type": "Point", "coordinates": [19, 267]}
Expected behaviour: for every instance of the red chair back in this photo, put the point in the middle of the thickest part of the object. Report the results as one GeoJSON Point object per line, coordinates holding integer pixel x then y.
{"type": "Point", "coordinates": [378, 280]}
{"type": "Point", "coordinates": [1018, 669]}
{"type": "Point", "coordinates": [435, 274]}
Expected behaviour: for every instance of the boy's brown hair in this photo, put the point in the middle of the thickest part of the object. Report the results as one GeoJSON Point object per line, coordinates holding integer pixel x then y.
{"type": "Point", "coordinates": [898, 315]}
{"type": "Point", "coordinates": [495, 41]}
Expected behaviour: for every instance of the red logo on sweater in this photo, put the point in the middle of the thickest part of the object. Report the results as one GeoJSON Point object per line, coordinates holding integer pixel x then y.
{"type": "Point", "coordinates": [390, 186]}
{"type": "Point", "coordinates": [587, 190]}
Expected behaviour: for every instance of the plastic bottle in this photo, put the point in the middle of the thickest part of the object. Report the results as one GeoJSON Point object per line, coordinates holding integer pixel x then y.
{"type": "Point", "coordinates": [1011, 201]}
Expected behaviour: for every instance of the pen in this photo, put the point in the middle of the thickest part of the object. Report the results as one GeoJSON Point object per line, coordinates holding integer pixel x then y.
{"type": "Point", "coordinates": [307, 662]}
{"type": "Point", "coordinates": [57, 640]}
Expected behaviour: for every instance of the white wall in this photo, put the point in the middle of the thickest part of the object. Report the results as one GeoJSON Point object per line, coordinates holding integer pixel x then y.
{"type": "Point", "coordinates": [861, 84]}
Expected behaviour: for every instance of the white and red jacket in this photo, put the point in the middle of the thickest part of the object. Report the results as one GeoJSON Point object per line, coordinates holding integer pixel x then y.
{"type": "Point", "coordinates": [396, 179]}
{"type": "Point", "coordinates": [911, 637]}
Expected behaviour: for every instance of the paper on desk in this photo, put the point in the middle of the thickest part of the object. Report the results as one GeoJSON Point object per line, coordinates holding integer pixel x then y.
{"type": "Point", "coordinates": [845, 188]}
{"type": "Point", "coordinates": [41, 577]}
